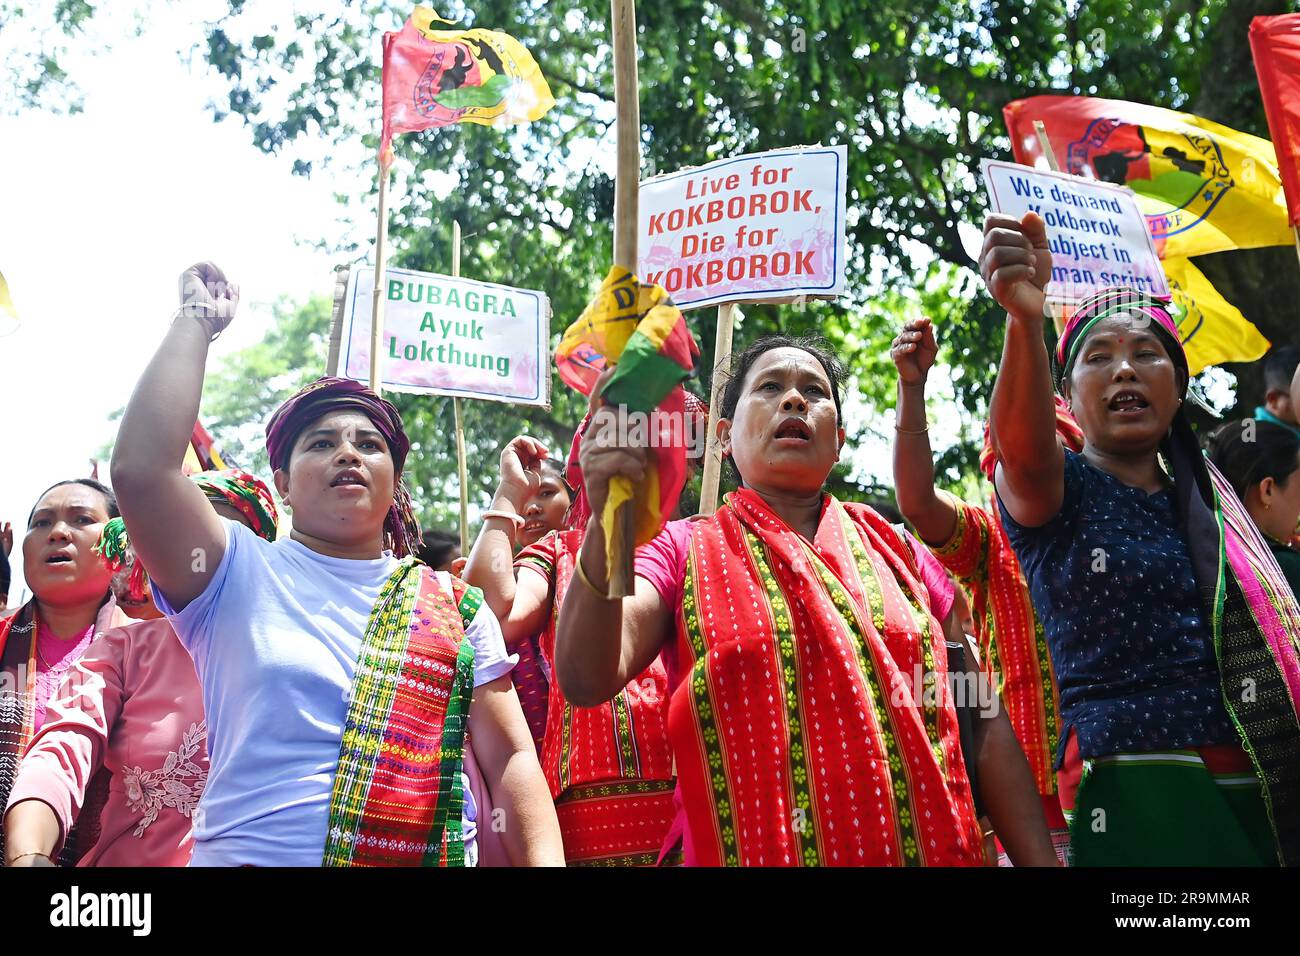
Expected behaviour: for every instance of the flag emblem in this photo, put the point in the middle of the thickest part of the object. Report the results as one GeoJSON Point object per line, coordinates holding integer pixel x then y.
{"type": "Point", "coordinates": [1185, 171]}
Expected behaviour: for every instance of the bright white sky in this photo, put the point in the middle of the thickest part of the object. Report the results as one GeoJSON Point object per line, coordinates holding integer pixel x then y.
{"type": "Point", "coordinates": [100, 213]}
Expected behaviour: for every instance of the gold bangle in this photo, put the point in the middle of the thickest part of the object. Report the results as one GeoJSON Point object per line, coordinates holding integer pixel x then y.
{"type": "Point", "coordinates": [911, 431]}
{"type": "Point", "coordinates": [582, 576]}
{"type": "Point", "coordinates": [23, 856]}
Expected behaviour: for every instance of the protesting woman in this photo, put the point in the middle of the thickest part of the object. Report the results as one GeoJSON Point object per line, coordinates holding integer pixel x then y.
{"type": "Point", "coordinates": [299, 644]}
{"type": "Point", "coordinates": [71, 603]}
{"type": "Point", "coordinates": [538, 510]}
{"type": "Point", "coordinates": [131, 705]}
{"type": "Point", "coordinates": [1172, 631]}
{"type": "Point", "coordinates": [609, 767]}
{"type": "Point", "coordinates": [811, 717]}
{"type": "Point", "coordinates": [971, 543]}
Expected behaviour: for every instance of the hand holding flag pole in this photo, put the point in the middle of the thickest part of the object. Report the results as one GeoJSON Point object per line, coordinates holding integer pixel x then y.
{"type": "Point", "coordinates": [636, 328]}
{"type": "Point", "coordinates": [627, 185]}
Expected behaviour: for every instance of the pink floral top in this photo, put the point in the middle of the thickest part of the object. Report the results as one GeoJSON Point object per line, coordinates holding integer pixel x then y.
{"type": "Point", "coordinates": [132, 704]}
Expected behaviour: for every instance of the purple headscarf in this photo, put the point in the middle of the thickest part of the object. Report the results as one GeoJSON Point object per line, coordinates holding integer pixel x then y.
{"type": "Point", "coordinates": [328, 394]}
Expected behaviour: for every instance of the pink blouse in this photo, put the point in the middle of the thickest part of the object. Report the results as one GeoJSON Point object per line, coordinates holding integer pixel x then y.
{"type": "Point", "coordinates": [132, 704]}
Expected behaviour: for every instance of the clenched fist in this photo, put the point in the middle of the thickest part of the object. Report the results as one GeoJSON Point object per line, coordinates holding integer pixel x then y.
{"type": "Point", "coordinates": [206, 295]}
{"type": "Point", "coordinates": [913, 351]}
{"type": "Point", "coordinates": [1016, 264]}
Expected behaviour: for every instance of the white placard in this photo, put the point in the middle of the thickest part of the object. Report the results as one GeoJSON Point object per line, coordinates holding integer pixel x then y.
{"type": "Point", "coordinates": [762, 227]}
{"type": "Point", "coordinates": [448, 336]}
{"type": "Point", "coordinates": [1097, 233]}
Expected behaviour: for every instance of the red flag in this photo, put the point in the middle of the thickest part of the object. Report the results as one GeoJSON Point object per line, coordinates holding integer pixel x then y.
{"type": "Point", "coordinates": [440, 77]}
{"type": "Point", "coordinates": [1275, 44]}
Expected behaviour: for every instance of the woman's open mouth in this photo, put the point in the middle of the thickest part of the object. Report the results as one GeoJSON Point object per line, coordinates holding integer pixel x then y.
{"type": "Point", "coordinates": [793, 431]}
{"type": "Point", "coordinates": [1128, 403]}
{"type": "Point", "coordinates": [350, 478]}
{"type": "Point", "coordinates": [60, 557]}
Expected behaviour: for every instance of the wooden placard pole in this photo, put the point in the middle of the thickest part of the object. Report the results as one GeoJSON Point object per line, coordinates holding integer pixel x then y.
{"type": "Point", "coordinates": [627, 184]}
{"type": "Point", "coordinates": [461, 469]}
{"type": "Point", "coordinates": [377, 300]}
{"type": "Point", "coordinates": [1058, 315]}
{"type": "Point", "coordinates": [341, 276]}
{"type": "Point", "coordinates": [712, 479]}
{"type": "Point", "coordinates": [1041, 132]}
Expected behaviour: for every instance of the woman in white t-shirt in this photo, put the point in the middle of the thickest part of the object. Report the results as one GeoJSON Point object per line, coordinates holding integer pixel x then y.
{"type": "Point", "coordinates": [339, 675]}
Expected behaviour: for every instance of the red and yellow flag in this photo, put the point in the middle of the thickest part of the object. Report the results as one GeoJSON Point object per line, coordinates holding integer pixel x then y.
{"type": "Point", "coordinates": [202, 453]}
{"type": "Point", "coordinates": [1203, 187]}
{"type": "Point", "coordinates": [440, 77]}
{"type": "Point", "coordinates": [1212, 329]}
{"type": "Point", "coordinates": [636, 327]}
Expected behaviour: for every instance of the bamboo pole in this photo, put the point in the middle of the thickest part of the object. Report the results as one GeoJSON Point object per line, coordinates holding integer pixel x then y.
{"type": "Point", "coordinates": [461, 469]}
{"type": "Point", "coordinates": [377, 298]}
{"type": "Point", "coordinates": [1058, 314]}
{"type": "Point", "coordinates": [341, 276]}
{"type": "Point", "coordinates": [712, 479]}
{"type": "Point", "coordinates": [1041, 132]}
{"type": "Point", "coordinates": [627, 184]}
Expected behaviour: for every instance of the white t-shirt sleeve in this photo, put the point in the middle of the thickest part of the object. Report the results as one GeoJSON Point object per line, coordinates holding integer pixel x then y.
{"type": "Point", "coordinates": [491, 659]}
{"type": "Point", "coordinates": [194, 624]}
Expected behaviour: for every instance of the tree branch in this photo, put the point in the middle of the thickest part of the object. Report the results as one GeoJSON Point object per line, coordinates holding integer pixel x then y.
{"type": "Point", "coordinates": [581, 88]}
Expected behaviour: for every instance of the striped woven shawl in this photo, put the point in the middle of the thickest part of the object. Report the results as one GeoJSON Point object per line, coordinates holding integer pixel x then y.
{"type": "Point", "coordinates": [398, 794]}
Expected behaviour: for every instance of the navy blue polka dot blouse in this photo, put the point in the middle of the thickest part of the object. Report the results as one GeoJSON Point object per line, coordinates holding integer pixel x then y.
{"type": "Point", "coordinates": [1112, 582]}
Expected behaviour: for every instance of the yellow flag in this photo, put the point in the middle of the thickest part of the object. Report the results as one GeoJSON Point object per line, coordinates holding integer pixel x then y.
{"type": "Point", "coordinates": [1211, 189]}
{"type": "Point", "coordinates": [1213, 330]}
{"type": "Point", "coordinates": [8, 312]}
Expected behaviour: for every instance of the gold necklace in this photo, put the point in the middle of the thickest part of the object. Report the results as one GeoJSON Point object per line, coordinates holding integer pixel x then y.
{"type": "Point", "coordinates": [50, 668]}
{"type": "Point", "coordinates": [1277, 541]}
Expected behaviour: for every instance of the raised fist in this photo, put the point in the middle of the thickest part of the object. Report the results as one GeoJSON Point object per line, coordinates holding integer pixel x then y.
{"type": "Point", "coordinates": [206, 295]}
{"type": "Point", "coordinates": [520, 473]}
{"type": "Point", "coordinates": [1016, 264]}
{"type": "Point", "coordinates": [913, 351]}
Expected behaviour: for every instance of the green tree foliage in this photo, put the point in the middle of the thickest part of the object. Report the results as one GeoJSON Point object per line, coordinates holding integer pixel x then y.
{"type": "Point", "coordinates": [34, 42]}
{"type": "Point", "coordinates": [914, 90]}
